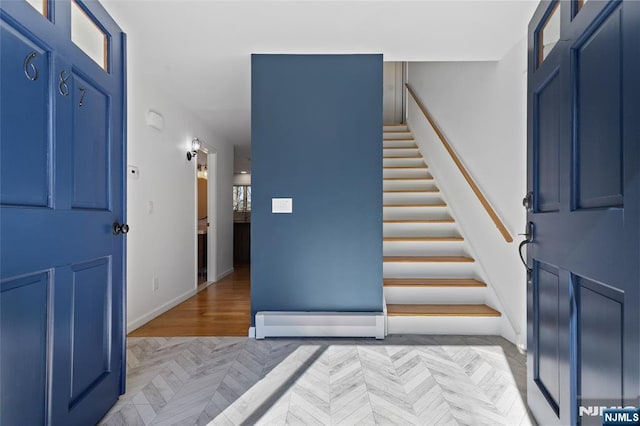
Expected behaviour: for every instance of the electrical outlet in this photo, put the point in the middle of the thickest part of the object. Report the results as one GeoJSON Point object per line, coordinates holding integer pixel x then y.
{"type": "Point", "coordinates": [156, 284]}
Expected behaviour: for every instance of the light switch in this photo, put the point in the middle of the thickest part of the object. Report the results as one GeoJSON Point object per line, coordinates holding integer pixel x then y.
{"type": "Point", "coordinates": [282, 205]}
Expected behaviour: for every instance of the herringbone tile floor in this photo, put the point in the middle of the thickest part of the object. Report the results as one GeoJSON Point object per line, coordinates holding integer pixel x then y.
{"type": "Point", "coordinates": [403, 380]}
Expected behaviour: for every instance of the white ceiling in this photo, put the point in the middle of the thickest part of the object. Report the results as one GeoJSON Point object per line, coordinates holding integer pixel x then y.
{"type": "Point", "coordinates": [241, 158]}
{"type": "Point", "coordinates": [199, 51]}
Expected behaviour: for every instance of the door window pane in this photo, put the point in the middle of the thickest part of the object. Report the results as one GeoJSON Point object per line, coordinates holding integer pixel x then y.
{"type": "Point", "coordinates": [88, 36]}
{"type": "Point", "coordinates": [242, 203]}
{"type": "Point", "coordinates": [580, 4]}
{"type": "Point", "coordinates": [549, 34]}
{"type": "Point", "coordinates": [40, 6]}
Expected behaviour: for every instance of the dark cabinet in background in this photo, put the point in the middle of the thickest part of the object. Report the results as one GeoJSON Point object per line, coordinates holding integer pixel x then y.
{"type": "Point", "coordinates": [241, 243]}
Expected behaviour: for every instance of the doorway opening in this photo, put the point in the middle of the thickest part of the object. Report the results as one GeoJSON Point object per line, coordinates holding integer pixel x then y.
{"type": "Point", "coordinates": [393, 95]}
{"type": "Point", "coordinates": [242, 207]}
{"type": "Point", "coordinates": [241, 225]}
{"type": "Point", "coordinates": [202, 217]}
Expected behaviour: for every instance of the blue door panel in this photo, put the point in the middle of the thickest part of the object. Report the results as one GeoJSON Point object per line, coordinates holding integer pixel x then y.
{"type": "Point", "coordinates": [25, 174]}
{"type": "Point", "coordinates": [600, 325]}
{"type": "Point", "coordinates": [54, 237]}
{"type": "Point", "coordinates": [86, 400]}
{"type": "Point", "coordinates": [91, 145]}
{"type": "Point", "coordinates": [547, 145]}
{"type": "Point", "coordinates": [573, 243]}
{"type": "Point", "coordinates": [23, 349]}
{"type": "Point", "coordinates": [547, 355]}
{"type": "Point", "coordinates": [91, 345]}
{"type": "Point", "coordinates": [598, 82]}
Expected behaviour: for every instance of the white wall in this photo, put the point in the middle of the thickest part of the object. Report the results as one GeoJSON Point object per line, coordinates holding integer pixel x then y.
{"type": "Point", "coordinates": [393, 89]}
{"type": "Point", "coordinates": [162, 200]}
{"type": "Point", "coordinates": [481, 108]}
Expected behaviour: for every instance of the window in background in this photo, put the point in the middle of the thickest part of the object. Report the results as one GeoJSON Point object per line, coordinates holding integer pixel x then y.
{"type": "Point", "coordinates": [242, 203]}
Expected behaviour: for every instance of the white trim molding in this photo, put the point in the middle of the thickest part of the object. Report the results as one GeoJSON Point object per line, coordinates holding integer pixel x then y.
{"type": "Point", "coordinates": [224, 274]}
{"type": "Point", "coordinates": [139, 322]}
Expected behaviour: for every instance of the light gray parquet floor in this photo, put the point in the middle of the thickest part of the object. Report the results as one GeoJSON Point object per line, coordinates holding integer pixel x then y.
{"type": "Point", "coordinates": [403, 380]}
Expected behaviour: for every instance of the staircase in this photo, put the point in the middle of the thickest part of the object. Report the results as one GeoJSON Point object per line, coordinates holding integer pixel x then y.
{"type": "Point", "coordinates": [432, 284]}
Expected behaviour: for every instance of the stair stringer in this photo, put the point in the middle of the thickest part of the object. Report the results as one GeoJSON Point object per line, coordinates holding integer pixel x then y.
{"type": "Point", "coordinates": [513, 324]}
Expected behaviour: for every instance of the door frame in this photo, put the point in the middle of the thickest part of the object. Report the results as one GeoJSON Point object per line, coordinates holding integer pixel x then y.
{"type": "Point", "coordinates": [212, 217]}
{"type": "Point", "coordinates": [212, 201]}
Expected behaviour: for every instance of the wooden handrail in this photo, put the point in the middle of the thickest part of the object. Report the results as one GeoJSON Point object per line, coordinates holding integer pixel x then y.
{"type": "Point", "coordinates": [474, 187]}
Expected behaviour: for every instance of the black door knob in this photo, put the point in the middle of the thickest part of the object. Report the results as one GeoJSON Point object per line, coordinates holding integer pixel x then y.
{"type": "Point", "coordinates": [120, 229]}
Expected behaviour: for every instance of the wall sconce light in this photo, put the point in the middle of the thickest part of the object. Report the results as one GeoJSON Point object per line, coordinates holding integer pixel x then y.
{"type": "Point", "coordinates": [195, 146]}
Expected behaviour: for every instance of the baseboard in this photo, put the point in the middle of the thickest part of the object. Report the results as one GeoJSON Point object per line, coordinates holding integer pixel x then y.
{"type": "Point", "coordinates": [204, 286]}
{"type": "Point", "coordinates": [252, 332]}
{"type": "Point", "coordinates": [319, 324]}
{"type": "Point", "coordinates": [142, 320]}
{"type": "Point", "coordinates": [224, 274]}
{"type": "Point", "coordinates": [507, 331]}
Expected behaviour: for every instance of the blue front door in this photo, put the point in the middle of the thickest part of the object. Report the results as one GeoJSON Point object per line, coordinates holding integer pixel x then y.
{"type": "Point", "coordinates": [584, 178]}
{"type": "Point", "coordinates": [62, 152]}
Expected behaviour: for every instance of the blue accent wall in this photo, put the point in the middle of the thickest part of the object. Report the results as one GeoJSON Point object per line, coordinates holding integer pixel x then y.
{"type": "Point", "coordinates": [317, 138]}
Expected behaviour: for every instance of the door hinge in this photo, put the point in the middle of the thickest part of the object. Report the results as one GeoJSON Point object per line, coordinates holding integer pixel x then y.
{"type": "Point", "coordinates": [527, 201]}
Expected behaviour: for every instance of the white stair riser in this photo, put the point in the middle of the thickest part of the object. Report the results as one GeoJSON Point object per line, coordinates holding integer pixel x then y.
{"type": "Point", "coordinates": [434, 295]}
{"type": "Point", "coordinates": [407, 173]}
{"type": "Point", "coordinates": [403, 162]}
{"type": "Point", "coordinates": [408, 152]}
{"type": "Point", "coordinates": [428, 270]}
{"type": "Point", "coordinates": [431, 248]}
{"type": "Point", "coordinates": [407, 143]}
{"type": "Point", "coordinates": [444, 325]}
{"type": "Point", "coordinates": [412, 184]}
{"type": "Point", "coordinates": [412, 198]}
{"type": "Point", "coordinates": [398, 128]}
{"type": "Point", "coordinates": [409, 213]}
{"type": "Point", "coordinates": [396, 134]}
{"type": "Point", "coordinates": [420, 229]}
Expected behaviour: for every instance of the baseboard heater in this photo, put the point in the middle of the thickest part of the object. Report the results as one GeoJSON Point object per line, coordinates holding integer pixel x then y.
{"type": "Point", "coordinates": [320, 324]}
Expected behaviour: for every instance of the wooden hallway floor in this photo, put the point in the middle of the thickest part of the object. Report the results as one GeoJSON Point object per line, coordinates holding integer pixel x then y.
{"type": "Point", "coordinates": [222, 309]}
